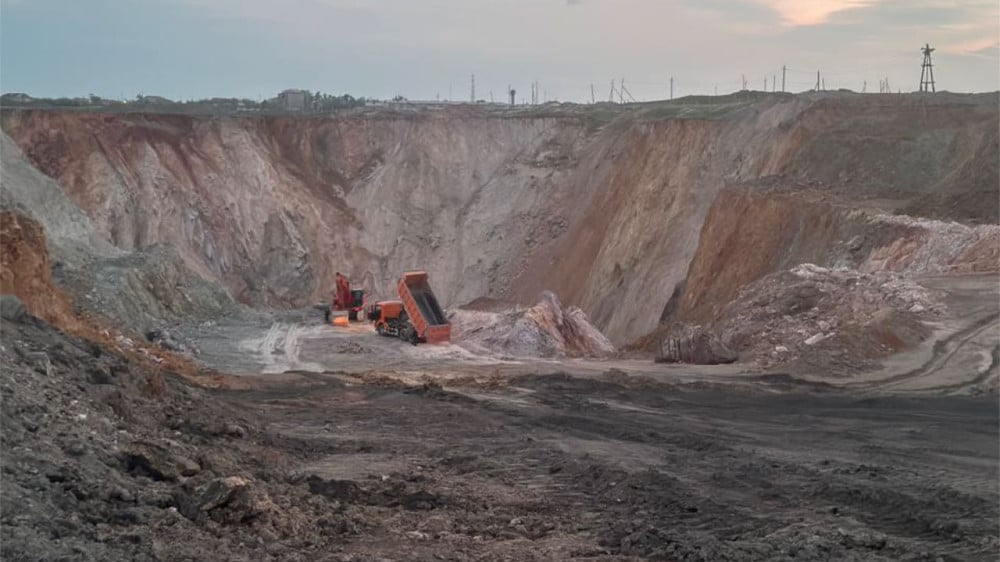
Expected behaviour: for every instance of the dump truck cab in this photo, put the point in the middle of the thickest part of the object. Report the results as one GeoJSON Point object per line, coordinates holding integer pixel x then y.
{"type": "Point", "coordinates": [390, 319]}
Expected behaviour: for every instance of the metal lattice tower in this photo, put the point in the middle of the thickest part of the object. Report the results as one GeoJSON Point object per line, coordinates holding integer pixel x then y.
{"type": "Point", "coordinates": [927, 70]}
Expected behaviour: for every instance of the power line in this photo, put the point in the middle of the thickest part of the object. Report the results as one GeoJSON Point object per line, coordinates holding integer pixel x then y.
{"type": "Point", "coordinates": [927, 70]}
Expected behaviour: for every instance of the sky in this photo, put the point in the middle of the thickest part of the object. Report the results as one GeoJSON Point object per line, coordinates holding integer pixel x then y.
{"type": "Point", "coordinates": [429, 49]}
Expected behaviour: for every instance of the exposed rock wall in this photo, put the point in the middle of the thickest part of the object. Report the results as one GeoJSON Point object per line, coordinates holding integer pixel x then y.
{"type": "Point", "coordinates": [750, 233]}
{"type": "Point", "coordinates": [606, 214]}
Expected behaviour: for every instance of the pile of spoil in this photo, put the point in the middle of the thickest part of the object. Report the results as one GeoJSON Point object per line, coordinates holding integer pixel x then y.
{"type": "Point", "coordinates": [543, 330]}
{"type": "Point", "coordinates": [843, 318]}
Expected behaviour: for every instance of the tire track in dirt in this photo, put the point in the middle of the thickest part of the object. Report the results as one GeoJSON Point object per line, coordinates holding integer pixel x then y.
{"type": "Point", "coordinates": [951, 349]}
{"type": "Point", "coordinates": [279, 349]}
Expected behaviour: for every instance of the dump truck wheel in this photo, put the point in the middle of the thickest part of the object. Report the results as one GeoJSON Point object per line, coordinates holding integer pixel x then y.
{"type": "Point", "coordinates": [380, 329]}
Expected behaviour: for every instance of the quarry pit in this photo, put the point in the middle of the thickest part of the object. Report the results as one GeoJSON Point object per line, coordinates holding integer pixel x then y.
{"type": "Point", "coordinates": [746, 327]}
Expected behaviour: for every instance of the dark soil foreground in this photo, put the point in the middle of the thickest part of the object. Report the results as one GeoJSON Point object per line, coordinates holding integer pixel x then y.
{"type": "Point", "coordinates": [103, 460]}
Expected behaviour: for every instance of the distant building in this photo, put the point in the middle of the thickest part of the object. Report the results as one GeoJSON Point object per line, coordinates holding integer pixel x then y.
{"type": "Point", "coordinates": [155, 100]}
{"type": "Point", "coordinates": [294, 100]}
{"type": "Point", "coordinates": [17, 97]}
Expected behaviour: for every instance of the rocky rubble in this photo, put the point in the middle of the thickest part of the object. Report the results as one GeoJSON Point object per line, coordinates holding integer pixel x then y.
{"type": "Point", "coordinates": [546, 329]}
{"type": "Point", "coordinates": [933, 247]}
{"type": "Point", "coordinates": [108, 459]}
{"type": "Point", "coordinates": [846, 317]}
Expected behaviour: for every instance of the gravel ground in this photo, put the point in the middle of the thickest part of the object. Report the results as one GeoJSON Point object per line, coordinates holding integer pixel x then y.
{"type": "Point", "coordinates": [107, 461]}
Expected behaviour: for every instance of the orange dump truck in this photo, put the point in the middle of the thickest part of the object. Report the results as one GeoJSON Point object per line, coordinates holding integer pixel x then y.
{"type": "Point", "coordinates": [416, 317]}
{"type": "Point", "coordinates": [426, 316]}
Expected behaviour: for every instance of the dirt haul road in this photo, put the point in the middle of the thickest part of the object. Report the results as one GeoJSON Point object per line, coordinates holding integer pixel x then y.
{"type": "Point", "coordinates": [616, 467]}
{"type": "Point", "coordinates": [959, 357]}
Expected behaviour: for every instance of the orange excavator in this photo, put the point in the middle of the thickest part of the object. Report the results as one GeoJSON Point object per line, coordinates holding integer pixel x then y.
{"type": "Point", "coordinates": [416, 317]}
{"type": "Point", "coordinates": [344, 299]}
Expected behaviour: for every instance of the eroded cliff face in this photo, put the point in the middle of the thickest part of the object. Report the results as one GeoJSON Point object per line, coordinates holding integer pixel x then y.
{"type": "Point", "coordinates": [749, 234]}
{"type": "Point", "coordinates": [608, 217]}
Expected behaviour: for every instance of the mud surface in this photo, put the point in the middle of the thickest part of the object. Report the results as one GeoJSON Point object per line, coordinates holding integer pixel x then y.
{"type": "Point", "coordinates": [558, 467]}
{"type": "Point", "coordinates": [107, 460]}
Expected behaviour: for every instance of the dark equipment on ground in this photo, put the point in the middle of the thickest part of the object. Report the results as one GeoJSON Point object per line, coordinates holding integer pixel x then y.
{"type": "Point", "coordinates": [345, 299]}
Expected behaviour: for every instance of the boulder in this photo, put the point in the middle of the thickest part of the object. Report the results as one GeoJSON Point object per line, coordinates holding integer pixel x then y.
{"type": "Point", "coordinates": [11, 308]}
{"type": "Point", "coordinates": [230, 500]}
{"type": "Point", "coordinates": [157, 462]}
{"type": "Point", "coordinates": [694, 345]}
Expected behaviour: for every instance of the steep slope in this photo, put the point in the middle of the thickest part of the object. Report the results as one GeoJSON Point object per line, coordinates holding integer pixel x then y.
{"type": "Point", "coordinates": [52, 252]}
{"type": "Point", "coordinates": [505, 205]}
{"type": "Point", "coordinates": [749, 234]}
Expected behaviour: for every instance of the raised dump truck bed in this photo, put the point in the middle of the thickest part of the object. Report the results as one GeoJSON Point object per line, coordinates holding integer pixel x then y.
{"type": "Point", "coordinates": [423, 309]}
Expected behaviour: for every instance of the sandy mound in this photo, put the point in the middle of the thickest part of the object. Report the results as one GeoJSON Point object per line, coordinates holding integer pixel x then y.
{"type": "Point", "coordinates": [543, 330]}
{"type": "Point", "coordinates": [840, 318]}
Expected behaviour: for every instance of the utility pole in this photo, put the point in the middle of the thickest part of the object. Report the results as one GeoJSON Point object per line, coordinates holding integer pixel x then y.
{"type": "Point", "coordinates": [783, 70]}
{"type": "Point", "coordinates": [611, 98]}
{"type": "Point", "coordinates": [593, 97]}
{"type": "Point", "coordinates": [817, 80]}
{"type": "Point", "coordinates": [472, 96]}
{"type": "Point", "coordinates": [621, 92]}
{"type": "Point", "coordinates": [864, 86]}
{"type": "Point", "coordinates": [671, 87]}
{"type": "Point", "coordinates": [927, 70]}
{"type": "Point", "coordinates": [744, 78]}
{"type": "Point", "coordinates": [765, 84]}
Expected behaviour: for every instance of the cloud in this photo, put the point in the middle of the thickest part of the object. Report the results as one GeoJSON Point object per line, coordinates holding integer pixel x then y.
{"type": "Point", "coordinates": [987, 47]}
{"type": "Point", "coordinates": [810, 12]}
